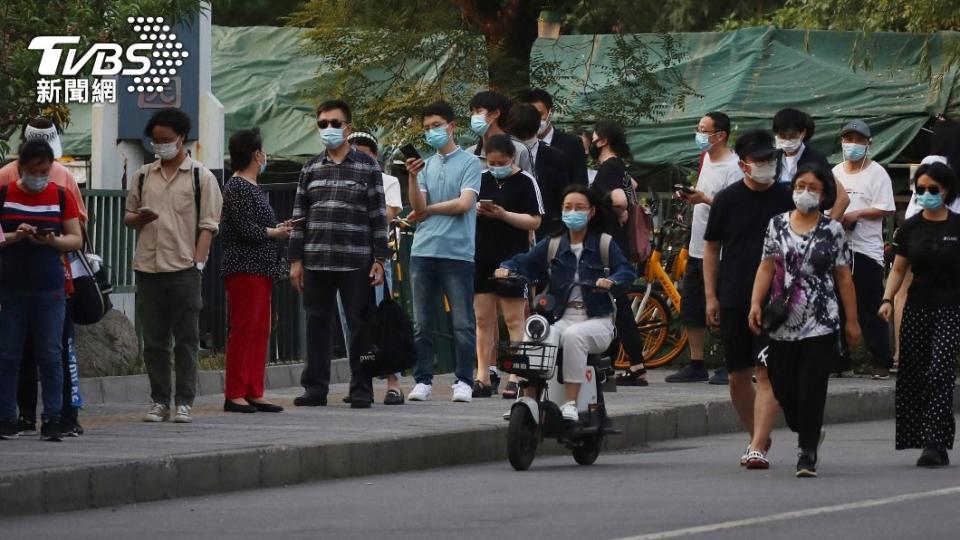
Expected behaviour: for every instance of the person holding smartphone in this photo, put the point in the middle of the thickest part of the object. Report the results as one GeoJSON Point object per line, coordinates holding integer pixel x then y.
{"type": "Point", "coordinates": [33, 283]}
{"type": "Point", "coordinates": [510, 207]}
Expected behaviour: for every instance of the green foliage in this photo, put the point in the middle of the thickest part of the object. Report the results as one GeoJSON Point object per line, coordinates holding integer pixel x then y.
{"type": "Point", "coordinates": [96, 21]}
{"type": "Point", "coordinates": [253, 12]}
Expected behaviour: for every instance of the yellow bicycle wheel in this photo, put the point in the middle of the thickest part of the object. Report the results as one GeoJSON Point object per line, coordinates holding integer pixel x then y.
{"type": "Point", "coordinates": [664, 338]}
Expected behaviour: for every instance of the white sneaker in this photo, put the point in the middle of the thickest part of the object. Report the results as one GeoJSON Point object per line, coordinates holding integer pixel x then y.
{"type": "Point", "coordinates": [570, 412]}
{"type": "Point", "coordinates": [421, 392]}
{"type": "Point", "coordinates": [183, 414]}
{"type": "Point", "coordinates": [462, 392]}
{"type": "Point", "coordinates": [157, 413]}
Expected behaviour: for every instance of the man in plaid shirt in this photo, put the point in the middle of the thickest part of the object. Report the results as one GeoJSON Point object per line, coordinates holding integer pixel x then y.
{"type": "Point", "coordinates": [340, 246]}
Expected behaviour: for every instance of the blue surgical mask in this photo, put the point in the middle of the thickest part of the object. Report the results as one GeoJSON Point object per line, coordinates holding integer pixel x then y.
{"type": "Point", "coordinates": [502, 171]}
{"type": "Point", "coordinates": [437, 137]}
{"type": "Point", "coordinates": [576, 220]}
{"type": "Point", "coordinates": [854, 151]}
{"type": "Point", "coordinates": [263, 166]}
{"type": "Point", "coordinates": [35, 183]}
{"type": "Point", "coordinates": [478, 124]}
{"type": "Point", "coordinates": [929, 201]}
{"type": "Point", "coordinates": [703, 141]}
{"type": "Point", "coordinates": [331, 137]}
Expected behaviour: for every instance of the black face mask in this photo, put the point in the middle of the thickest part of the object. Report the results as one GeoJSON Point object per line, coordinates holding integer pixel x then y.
{"type": "Point", "coordinates": [594, 150]}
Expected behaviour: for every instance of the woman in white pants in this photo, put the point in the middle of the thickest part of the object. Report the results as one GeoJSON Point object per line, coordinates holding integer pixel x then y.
{"type": "Point", "coordinates": [584, 317]}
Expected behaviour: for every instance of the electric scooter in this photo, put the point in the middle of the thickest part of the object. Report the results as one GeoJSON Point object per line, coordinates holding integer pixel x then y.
{"type": "Point", "coordinates": [536, 360]}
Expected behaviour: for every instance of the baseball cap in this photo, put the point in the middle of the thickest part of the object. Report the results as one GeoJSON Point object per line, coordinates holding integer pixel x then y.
{"type": "Point", "coordinates": [756, 144]}
{"type": "Point", "coordinates": [856, 126]}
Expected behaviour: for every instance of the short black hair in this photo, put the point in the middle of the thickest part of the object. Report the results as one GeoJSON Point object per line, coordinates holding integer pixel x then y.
{"type": "Point", "coordinates": [438, 108]}
{"type": "Point", "coordinates": [334, 104]}
{"type": "Point", "coordinates": [174, 119]}
{"type": "Point", "coordinates": [825, 175]}
{"type": "Point", "coordinates": [33, 150]}
{"type": "Point", "coordinates": [243, 145]}
{"type": "Point", "coordinates": [537, 94]}
{"type": "Point", "coordinates": [493, 101]}
{"type": "Point", "coordinates": [751, 140]}
{"type": "Point", "coordinates": [523, 121]}
{"type": "Point", "coordinates": [721, 122]}
{"type": "Point", "coordinates": [790, 120]}
{"type": "Point", "coordinates": [501, 143]}
{"type": "Point", "coordinates": [612, 131]}
{"type": "Point", "coordinates": [942, 175]}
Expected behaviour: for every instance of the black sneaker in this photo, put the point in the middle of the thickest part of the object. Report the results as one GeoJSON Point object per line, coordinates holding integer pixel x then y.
{"type": "Point", "coordinates": [8, 430]}
{"type": "Point", "coordinates": [931, 457]}
{"type": "Point", "coordinates": [806, 465]}
{"type": "Point", "coordinates": [720, 377]}
{"type": "Point", "coordinates": [73, 430]}
{"type": "Point", "coordinates": [307, 400]}
{"type": "Point", "coordinates": [689, 373]}
{"type": "Point", "coordinates": [27, 427]}
{"type": "Point", "coordinates": [50, 431]}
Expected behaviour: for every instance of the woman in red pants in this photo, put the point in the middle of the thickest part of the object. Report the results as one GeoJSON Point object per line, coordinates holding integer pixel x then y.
{"type": "Point", "coordinates": [250, 263]}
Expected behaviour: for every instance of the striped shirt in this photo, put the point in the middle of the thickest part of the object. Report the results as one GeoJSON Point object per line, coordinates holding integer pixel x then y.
{"type": "Point", "coordinates": [28, 266]}
{"type": "Point", "coordinates": [346, 217]}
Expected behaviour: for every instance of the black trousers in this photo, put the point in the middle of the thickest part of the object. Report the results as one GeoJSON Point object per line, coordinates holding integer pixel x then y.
{"type": "Point", "coordinates": [868, 282]}
{"type": "Point", "coordinates": [799, 372]}
{"type": "Point", "coordinates": [627, 333]}
{"type": "Point", "coordinates": [320, 303]}
{"type": "Point", "coordinates": [29, 379]}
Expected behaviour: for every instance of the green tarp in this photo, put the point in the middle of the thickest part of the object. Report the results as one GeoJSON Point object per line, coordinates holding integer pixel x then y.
{"type": "Point", "coordinates": [752, 73]}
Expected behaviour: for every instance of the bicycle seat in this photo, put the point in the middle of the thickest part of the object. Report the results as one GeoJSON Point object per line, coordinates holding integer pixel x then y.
{"type": "Point", "coordinates": [599, 361]}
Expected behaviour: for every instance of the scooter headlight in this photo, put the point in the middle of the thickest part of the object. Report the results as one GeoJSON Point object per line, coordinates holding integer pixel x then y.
{"type": "Point", "coordinates": [537, 328]}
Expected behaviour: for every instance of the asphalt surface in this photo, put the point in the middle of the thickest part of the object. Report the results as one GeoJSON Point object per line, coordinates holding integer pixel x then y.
{"type": "Point", "coordinates": [682, 488]}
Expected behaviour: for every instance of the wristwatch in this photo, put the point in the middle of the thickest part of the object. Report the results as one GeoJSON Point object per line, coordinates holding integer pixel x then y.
{"type": "Point", "coordinates": [199, 265]}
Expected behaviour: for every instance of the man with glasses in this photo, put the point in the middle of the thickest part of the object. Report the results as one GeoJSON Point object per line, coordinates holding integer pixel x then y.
{"type": "Point", "coordinates": [443, 191]}
{"type": "Point", "coordinates": [340, 246]}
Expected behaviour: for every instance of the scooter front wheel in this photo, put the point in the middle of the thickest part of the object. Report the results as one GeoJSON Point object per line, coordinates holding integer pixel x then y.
{"type": "Point", "coordinates": [589, 451]}
{"type": "Point", "coordinates": [523, 435]}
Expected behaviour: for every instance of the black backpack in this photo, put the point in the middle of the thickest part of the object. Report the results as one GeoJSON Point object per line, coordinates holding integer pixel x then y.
{"type": "Point", "coordinates": [384, 341]}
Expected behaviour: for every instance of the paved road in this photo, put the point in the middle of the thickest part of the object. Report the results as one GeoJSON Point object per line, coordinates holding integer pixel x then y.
{"type": "Point", "coordinates": [681, 488]}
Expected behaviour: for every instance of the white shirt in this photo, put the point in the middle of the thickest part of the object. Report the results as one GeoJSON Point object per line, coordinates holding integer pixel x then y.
{"type": "Point", "coordinates": [576, 295]}
{"type": "Point", "coordinates": [548, 138]}
{"type": "Point", "coordinates": [869, 188]}
{"type": "Point", "coordinates": [789, 168]}
{"type": "Point", "coordinates": [713, 178]}
{"type": "Point", "coordinates": [391, 191]}
{"type": "Point", "coordinates": [591, 176]}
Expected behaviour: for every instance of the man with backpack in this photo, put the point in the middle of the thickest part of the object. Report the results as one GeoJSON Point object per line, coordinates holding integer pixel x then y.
{"type": "Point", "coordinates": [175, 205]}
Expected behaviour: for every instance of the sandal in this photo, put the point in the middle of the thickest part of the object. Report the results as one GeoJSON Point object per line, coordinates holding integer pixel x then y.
{"type": "Point", "coordinates": [633, 378]}
{"type": "Point", "coordinates": [481, 390]}
{"type": "Point", "coordinates": [756, 460]}
{"type": "Point", "coordinates": [510, 391]}
{"type": "Point", "coordinates": [393, 397]}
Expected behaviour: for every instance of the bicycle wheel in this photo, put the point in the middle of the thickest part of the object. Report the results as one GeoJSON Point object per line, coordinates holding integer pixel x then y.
{"type": "Point", "coordinates": [664, 338]}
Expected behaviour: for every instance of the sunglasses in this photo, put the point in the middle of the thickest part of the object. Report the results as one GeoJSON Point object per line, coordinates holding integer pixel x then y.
{"type": "Point", "coordinates": [933, 190]}
{"type": "Point", "coordinates": [336, 124]}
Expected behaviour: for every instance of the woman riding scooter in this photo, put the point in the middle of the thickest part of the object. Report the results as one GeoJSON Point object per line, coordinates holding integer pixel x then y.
{"type": "Point", "coordinates": [585, 317]}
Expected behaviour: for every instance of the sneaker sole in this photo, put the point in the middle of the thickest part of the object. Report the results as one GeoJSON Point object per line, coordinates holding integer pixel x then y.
{"type": "Point", "coordinates": [462, 400]}
{"type": "Point", "coordinates": [183, 420]}
{"type": "Point", "coordinates": [805, 473]}
{"type": "Point", "coordinates": [9, 437]}
{"type": "Point", "coordinates": [154, 419]}
{"type": "Point", "coordinates": [416, 398]}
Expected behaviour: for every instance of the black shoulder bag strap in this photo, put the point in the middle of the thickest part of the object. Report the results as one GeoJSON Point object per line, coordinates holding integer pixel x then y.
{"type": "Point", "coordinates": [196, 198]}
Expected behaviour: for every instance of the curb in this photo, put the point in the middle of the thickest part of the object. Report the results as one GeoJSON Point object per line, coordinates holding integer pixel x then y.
{"type": "Point", "coordinates": [103, 485]}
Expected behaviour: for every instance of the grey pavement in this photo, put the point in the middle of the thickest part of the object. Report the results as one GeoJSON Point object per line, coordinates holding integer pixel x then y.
{"type": "Point", "coordinates": [680, 488]}
{"type": "Point", "coordinates": [122, 460]}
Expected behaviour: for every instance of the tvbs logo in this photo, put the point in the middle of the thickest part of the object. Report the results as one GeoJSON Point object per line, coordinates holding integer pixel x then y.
{"type": "Point", "coordinates": [152, 61]}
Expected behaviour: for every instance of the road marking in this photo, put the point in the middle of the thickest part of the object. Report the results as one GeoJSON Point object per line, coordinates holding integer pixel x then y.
{"type": "Point", "coordinates": [724, 525]}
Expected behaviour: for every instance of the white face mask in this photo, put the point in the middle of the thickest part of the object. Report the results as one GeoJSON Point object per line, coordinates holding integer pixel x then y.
{"type": "Point", "coordinates": [167, 151]}
{"type": "Point", "coordinates": [763, 173]}
{"type": "Point", "coordinates": [544, 126]}
{"type": "Point", "coordinates": [789, 145]}
{"type": "Point", "coordinates": [805, 201]}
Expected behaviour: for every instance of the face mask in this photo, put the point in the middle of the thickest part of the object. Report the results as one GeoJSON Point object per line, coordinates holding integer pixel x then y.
{"type": "Point", "coordinates": [594, 150]}
{"type": "Point", "coordinates": [854, 151]}
{"type": "Point", "coordinates": [929, 201]}
{"type": "Point", "coordinates": [576, 220]}
{"type": "Point", "coordinates": [544, 125]}
{"type": "Point", "coordinates": [166, 151]}
{"type": "Point", "coordinates": [478, 124]}
{"type": "Point", "coordinates": [763, 174]}
{"type": "Point", "coordinates": [331, 137]}
{"type": "Point", "coordinates": [703, 141]}
{"type": "Point", "coordinates": [805, 201]}
{"type": "Point", "coordinates": [35, 183]}
{"type": "Point", "coordinates": [789, 145]}
{"type": "Point", "coordinates": [437, 137]}
{"type": "Point", "coordinates": [263, 166]}
{"type": "Point", "coordinates": [501, 172]}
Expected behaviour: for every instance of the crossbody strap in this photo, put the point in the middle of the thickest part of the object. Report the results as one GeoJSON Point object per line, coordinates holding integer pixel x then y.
{"type": "Point", "coordinates": [788, 294]}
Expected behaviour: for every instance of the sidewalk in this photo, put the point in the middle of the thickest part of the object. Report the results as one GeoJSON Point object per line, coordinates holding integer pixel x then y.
{"type": "Point", "coordinates": [122, 460]}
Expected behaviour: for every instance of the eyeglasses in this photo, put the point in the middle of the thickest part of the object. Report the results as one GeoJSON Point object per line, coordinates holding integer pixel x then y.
{"type": "Point", "coordinates": [335, 123]}
{"type": "Point", "coordinates": [933, 190]}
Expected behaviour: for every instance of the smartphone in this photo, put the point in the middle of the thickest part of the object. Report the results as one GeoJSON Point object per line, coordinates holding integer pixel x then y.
{"type": "Point", "coordinates": [486, 203]}
{"type": "Point", "coordinates": [297, 221]}
{"type": "Point", "coordinates": [409, 151]}
{"type": "Point", "coordinates": [45, 232]}
{"type": "Point", "coordinates": [683, 189]}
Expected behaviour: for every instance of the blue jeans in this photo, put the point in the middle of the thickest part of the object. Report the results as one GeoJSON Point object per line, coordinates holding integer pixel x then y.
{"type": "Point", "coordinates": [432, 277]}
{"type": "Point", "coordinates": [41, 314]}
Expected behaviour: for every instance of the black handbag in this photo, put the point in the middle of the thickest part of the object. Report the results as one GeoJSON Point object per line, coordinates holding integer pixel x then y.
{"type": "Point", "coordinates": [91, 290]}
{"type": "Point", "coordinates": [384, 341]}
{"type": "Point", "coordinates": [777, 310]}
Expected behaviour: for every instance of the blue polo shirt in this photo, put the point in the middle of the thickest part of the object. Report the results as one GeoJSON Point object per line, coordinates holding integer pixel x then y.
{"type": "Point", "coordinates": [443, 178]}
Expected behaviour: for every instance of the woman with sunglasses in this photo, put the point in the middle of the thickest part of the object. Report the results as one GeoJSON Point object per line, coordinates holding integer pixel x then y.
{"type": "Point", "coordinates": [929, 245]}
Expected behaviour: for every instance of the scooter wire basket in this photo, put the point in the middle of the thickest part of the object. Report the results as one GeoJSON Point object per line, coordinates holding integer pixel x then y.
{"type": "Point", "coordinates": [527, 359]}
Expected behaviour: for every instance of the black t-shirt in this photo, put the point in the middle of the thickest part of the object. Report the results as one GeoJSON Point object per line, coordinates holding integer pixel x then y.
{"type": "Point", "coordinates": [739, 217]}
{"type": "Point", "coordinates": [497, 240]}
{"type": "Point", "coordinates": [933, 249]}
{"type": "Point", "coordinates": [611, 176]}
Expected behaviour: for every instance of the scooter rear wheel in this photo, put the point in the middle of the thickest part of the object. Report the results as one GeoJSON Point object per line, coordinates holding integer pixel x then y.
{"type": "Point", "coordinates": [587, 453]}
{"type": "Point", "coordinates": [522, 438]}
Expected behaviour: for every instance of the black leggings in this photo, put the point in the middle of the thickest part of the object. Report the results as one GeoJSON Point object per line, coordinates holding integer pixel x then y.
{"type": "Point", "coordinates": [627, 333]}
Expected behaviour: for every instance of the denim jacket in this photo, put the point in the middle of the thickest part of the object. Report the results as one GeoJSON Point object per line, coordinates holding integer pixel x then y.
{"type": "Point", "coordinates": [533, 265]}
